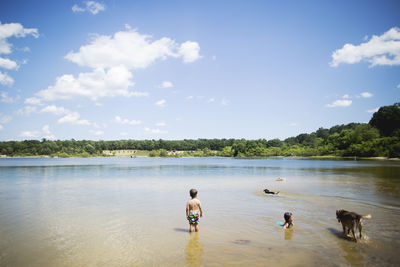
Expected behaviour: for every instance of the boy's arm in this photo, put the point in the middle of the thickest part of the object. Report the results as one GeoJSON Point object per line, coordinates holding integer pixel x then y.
{"type": "Point", "coordinates": [201, 209]}
{"type": "Point", "coordinates": [187, 209]}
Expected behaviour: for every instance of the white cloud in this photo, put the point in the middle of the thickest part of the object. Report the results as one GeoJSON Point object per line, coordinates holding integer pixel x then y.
{"type": "Point", "coordinates": [96, 132]}
{"type": "Point", "coordinates": [74, 119]}
{"type": "Point", "coordinates": [161, 103]}
{"type": "Point", "coordinates": [44, 133]}
{"type": "Point", "coordinates": [155, 131]}
{"type": "Point", "coordinates": [47, 134]}
{"type": "Point", "coordinates": [8, 64]}
{"type": "Point", "coordinates": [33, 101]}
{"type": "Point", "coordinates": [366, 95]}
{"type": "Point", "coordinates": [190, 51]}
{"type": "Point", "coordinates": [55, 110]}
{"type": "Point", "coordinates": [346, 96]}
{"type": "Point", "coordinates": [5, 79]}
{"type": "Point", "coordinates": [161, 124]}
{"type": "Point", "coordinates": [166, 84]}
{"type": "Point", "coordinates": [373, 110]}
{"type": "Point", "coordinates": [90, 6]}
{"type": "Point", "coordinates": [7, 99]}
{"type": "Point", "coordinates": [112, 59]}
{"type": "Point", "coordinates": [379, 50]}
{"type": "Point", "coordinates": [26, 110]}
{"type": "Point", "coordinates": [130, 49]}
{"type": "Point", "coordinates": [93, 85]}
{"type": "Point", "coordinates": [30, 134]}
{"type": "Point", "coordinates": [225, 102]}
{"type": "Point", "coordinates": [119, 120]}
{"type": "Point", "coordinates": [5, 119]}
{"type": "Point", "coordinates": [16, 30]}
{"type": "Point", "coordinates": [340, 103]}
{"type": "Point", "coordinates": [46, 129]}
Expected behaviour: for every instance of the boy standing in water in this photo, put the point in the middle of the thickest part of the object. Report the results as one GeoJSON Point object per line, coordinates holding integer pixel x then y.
{"type": "Point", "coordinates": [193, 211]}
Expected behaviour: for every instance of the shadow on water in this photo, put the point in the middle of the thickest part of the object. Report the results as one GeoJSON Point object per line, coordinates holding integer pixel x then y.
{"type": "Point", "coordinates": [339, 234]}
{"type": "Point", "coordinates": [181, 230]}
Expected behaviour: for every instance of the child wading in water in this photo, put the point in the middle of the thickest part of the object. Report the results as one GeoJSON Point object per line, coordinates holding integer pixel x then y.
{"type": "Point", "coordinates": [288, 220]}
{"type": "Point", "coordinates": [193, 211]}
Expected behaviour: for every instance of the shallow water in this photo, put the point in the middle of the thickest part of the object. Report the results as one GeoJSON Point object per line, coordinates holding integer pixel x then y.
{"type": "Point", "coordinates": [123, 211]}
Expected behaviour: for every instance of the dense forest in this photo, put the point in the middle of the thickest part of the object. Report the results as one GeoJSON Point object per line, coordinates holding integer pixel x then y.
{"type": "Point", "coordinates": [378, 138]}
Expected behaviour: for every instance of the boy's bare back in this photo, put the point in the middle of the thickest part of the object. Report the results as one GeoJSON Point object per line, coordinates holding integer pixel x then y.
{"type": "Point", "coordinates": [193, 205]}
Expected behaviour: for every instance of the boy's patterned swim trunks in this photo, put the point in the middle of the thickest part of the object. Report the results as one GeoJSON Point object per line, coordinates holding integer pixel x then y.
{"type": "Point", "coordinates": [193, 217]}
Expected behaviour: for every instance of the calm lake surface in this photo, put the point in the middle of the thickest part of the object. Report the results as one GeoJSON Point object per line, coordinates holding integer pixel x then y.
{"type": "Point", "coordinates": [131, 212]}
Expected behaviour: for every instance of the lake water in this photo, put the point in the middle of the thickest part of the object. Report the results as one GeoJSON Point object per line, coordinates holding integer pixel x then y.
{"type": "Point", "coordinates": [131, 212]}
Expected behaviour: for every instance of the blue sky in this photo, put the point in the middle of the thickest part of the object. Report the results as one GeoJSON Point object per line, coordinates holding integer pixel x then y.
{"type": "Point", "coordinates": [107, 70]}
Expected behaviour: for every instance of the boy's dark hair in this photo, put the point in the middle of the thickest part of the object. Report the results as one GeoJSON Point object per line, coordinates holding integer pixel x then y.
{"type": "Point", "coordinates": [193, 193]}
{"type": "Point", "coordinates": [287, 216]}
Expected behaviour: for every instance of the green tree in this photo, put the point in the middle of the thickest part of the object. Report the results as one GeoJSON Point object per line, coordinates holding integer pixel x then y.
{"type": "Point", "coordinates": [387, 119]}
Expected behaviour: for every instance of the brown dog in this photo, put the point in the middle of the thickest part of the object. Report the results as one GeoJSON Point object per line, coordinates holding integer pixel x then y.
{"type": "Point", "coordinates": [351, 221]}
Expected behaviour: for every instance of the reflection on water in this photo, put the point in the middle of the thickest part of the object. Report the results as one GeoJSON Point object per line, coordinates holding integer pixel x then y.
{"type": "Point", "coordinates": [289, 233]}
{"type": "Point", "coordinates": [194, 250]}
{"type": "Point", "coordinates": [131, 212]}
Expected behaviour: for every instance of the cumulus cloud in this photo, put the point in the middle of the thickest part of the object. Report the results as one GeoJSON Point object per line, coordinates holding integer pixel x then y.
{"type": "Point", "coordinates": [90, 6]}
{"type": "Point", "coordinates": [161, 103]}
{"type": "Point", "coordinates": [112, 58]}
{"type": "Point", "coordinates": [44, 133]}
{"type": "Point", "coordinates": [340, 103]}
{"type": "Point", "coordinates": [372, 110]}
{"type": "Point", "coordinates": [26, 110]}
{"type": "Point", "coordinates": [379, 50]}
{"type": "Point", "coordinates": [8, 64]}
{"type": "Point", "coordinates": [13, 30]}
{"type": "Point", "coordinates": [74, 119]}
{"type": "Point", "coordinates": [5, 118]}
{"type": "Point", "coordinates": [55, 110]}
{"type": "Point", "coordinates": [166, 84]}
{"type": "Point", "coordinates": [366, 95]}
{"type": "Point", "coordinates": [47, 133]}
{"type": "Point", "coordinates": [132, 50]}
{"type": "Point", "coordinates": [119, 120]}
{"type": "Point", "coordinates": [97, 133]}
{"type": "Point", "coordinates": [33, 101]}
{"type": "Point", "coordinates": [190, 51]}
{"type": "Point", "coordinates": [5, 79]}
{"type": "Point", "coordinates": [7, 31]}
{"type": "Point", "coordinates": [93, 85]}
{"type": "Point", "coordinates": [155, 131]}
{"type": "Point", "coordinates": [30, 134]}
{"type": "Point", "coordinates": [7, 99]}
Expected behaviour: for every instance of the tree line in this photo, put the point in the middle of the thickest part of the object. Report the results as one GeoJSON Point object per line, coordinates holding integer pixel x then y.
{"type": "Point", "coordinates": [378, 138]}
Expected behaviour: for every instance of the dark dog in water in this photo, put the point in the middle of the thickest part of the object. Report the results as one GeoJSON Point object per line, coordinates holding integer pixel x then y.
{"type": "Point", "coordinates": [352, 221]}
{"type": "Point", "coordinates": [270, 192]}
